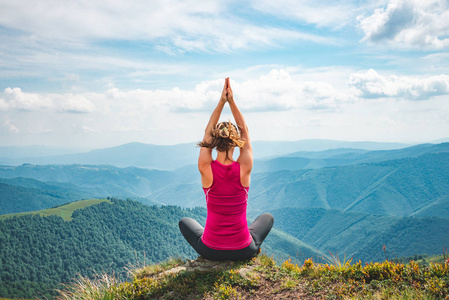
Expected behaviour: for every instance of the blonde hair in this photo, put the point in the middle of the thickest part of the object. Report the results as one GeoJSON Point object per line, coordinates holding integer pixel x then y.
{"type": "Point", "coordinates": [224, 137]}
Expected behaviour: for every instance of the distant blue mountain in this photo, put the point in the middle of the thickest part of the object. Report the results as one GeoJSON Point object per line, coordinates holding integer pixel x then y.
{"type": "Point", "coordinates": [132, 154]}
{"type": "Point", "coordinates": [170, 157]}
{"type": "Point", "coordinates": [35, 151]}
{"type": "Point", "coordinates": [342, 156]}
{"type": "Point", "coordinates": [279, 148]}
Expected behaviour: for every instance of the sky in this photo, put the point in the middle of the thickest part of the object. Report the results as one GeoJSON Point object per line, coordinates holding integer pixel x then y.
{"type": "Point", "coordinates": [94, 74]}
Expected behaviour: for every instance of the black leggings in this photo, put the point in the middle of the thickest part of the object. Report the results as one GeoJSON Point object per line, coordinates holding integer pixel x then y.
{"type": "Point", "coordinates": [259, 229]}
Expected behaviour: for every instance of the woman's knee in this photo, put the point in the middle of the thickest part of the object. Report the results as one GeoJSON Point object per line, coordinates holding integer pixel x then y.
{"type": "Point", "coordinates": [269, 218]}
{"type": "Point", "coordinates": [182, 223]}
{"type": "Point", "coordinates": [190, 228]}
{"type": "Point", "coordinates": [186, 225]}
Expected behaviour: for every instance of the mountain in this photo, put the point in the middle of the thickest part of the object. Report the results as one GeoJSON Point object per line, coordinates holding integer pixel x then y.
{"type": "Point", "coordinates": [26, 194]}
{"type": "Point", "coordinates": [95, 180]}
{"type": "Point", "coordinates": [47, 250]}
{"type": "Point", "coordinates": [64, 211]}
{"type": "Point", "coordinates": [342, 156]}
{"type": "Point", "coordinates": [394, 187]}
{"type": "Point", "coordinates": [397, 187]}
{"type": "Point", "coordinates": [43, 248]}
{"type": "Point", "coordinates": [35, 151]}
{"type": "Point", "coordinates": [278, 148]}
{"type": "Point", "coordinates": [169, 157]}
{"type": "Point", "coordinates": [131, 154]}
{"type": "Point", "coordinates": [438, 208]}
{"type": "Point", "coordinates": [362, 236]}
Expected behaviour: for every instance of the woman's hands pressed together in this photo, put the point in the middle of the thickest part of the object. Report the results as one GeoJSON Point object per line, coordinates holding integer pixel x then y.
{"type": "Point", "coordinates": [224, 93]}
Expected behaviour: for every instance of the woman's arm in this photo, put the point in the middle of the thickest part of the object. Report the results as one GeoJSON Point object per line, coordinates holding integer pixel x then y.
{"type": "Point", "coordinates": [216, 114]}
{"type": "Point", "coordinates": [246, 153]}
{"type": "Point", "coordinates": [205, 158]}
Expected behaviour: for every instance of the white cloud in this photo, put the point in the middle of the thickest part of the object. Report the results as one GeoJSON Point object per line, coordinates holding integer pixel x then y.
{"type": "Point", "coordinates": [16, 99]}
{"type": "Point", "coordinates": [73, 103]}
{"type": "Point", "coordinates": [175, 110]}
{"type": "Point", "coordinates": [282, 103]}
{"type": "Point", "coordinates": [371, 84]}
{"type": "Point", "coordinates": [11, 127]}
{"type": "Point", "coordinates": [410, 23]}
{"type": "Point", "coordinates": [321, 13]}
{"type": "Point", "coordinates": [174, 25]}
{"type": "Point", "coordinates": [280, 90]}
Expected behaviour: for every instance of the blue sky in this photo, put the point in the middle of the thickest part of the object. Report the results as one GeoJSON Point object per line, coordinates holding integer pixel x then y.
{"type": "Point", "coordinates": [95, 74]}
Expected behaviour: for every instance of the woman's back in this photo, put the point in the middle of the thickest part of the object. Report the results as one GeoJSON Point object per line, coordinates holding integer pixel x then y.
{"type": "Point", "coordinates": [226, 226]}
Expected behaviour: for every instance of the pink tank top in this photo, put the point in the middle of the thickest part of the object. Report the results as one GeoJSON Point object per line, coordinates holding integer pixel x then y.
{"type": "Point", "coordinates": [226, 227]}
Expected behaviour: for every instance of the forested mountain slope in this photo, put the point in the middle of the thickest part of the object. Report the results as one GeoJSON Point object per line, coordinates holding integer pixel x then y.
{"type": "Point", "coordinates": [394, 187]}
{"type": "Point", "coordinates": [397, 187]}
{"type": "Point", "coordinates": [26, 194]}
{"type": "Point", "coordinates": [49, 250]}
{"type": "Point", "coordinates": [38, 252]}
{"type": "Point", "coordinates": [361, 235]}
{"type": "Point", "coordinates": [94, 180]}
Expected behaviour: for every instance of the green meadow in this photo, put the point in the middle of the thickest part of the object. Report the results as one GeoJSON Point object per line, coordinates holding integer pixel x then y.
{"type": "Point", "coordinates": [64, 211]}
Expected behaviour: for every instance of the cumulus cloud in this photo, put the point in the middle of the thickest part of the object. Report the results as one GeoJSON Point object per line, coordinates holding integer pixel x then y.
{"type": "Point", "coordinates": [371, 84]}
{"type": "Point", "coordinates": [280, 90]}
{"type": "Point", "coordinates": [282, 103]}
{"type": "Point", "coordinates": [16, 99]}
{"type": "Point", "coordinates": [411, 23]}
{"type": "Point", "coordinates": [277, 90]}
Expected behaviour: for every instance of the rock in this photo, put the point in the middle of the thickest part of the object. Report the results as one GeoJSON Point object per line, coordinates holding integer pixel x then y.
{"type": "Point", "coordinates": [174, 270]}
{"type": "Point", "coordinates": [244, 272]}
{"type": "Point", "coordinates": [202, 265]}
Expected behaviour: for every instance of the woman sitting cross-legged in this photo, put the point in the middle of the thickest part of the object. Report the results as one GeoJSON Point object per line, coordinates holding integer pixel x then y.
{"type": "Point", "coordinates": [225, 181]}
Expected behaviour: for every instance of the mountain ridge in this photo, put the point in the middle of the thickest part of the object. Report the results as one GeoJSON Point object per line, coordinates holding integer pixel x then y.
{"type": "Point", "coordinates": [169, 157]}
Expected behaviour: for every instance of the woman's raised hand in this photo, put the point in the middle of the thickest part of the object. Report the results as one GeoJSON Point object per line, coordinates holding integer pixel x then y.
{"type": "Point", "coordinates": [224, 93]}
{"type": "Point", "coordinates": [229, 91]}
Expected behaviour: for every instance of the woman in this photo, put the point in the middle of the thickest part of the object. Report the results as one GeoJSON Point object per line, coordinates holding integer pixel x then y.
{"type": "Point", "coordinates": [226, 235]}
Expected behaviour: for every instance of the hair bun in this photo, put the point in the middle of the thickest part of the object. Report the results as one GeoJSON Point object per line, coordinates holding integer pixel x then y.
{"type": "Point", "coordinates": [224, 132]}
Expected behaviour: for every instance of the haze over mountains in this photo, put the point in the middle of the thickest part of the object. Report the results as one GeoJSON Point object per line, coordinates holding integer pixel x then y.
{"type": "Point", "coordinates": [164, 157]}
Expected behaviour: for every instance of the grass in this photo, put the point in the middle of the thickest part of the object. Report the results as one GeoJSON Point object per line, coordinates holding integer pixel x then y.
{"type": "Point", "coordinates": [434, 259]}
{"type": "Point", "coordinates": [103, 286]}
{"type": "Point", "coordinates": [64, 211]}
{"type": "Point", "coordinates": [266, 279]}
